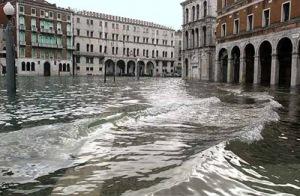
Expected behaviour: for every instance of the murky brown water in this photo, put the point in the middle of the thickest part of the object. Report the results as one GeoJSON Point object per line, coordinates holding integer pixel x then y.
{"type": "Point", "coordinates": [68, 136]}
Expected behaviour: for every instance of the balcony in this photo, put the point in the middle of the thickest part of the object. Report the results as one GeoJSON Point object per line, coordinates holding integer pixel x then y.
{"type": "Point", "coordinates": [22, 43]}
{"type": "Point", "coordinates": [60, 46]}
{"type": "Point", "coordinates": [59, 32]}
{"type": "Point", "coordinates": [70, 47]}
{"type": "Point", "coordinates": [34, 44]}
{"type": "Point", "coordinates": [33, 28]}
{"type": "Point", "coordinates": [49, 31]}
{"type": "Point", "coordinates": [45, 45]}
{"type": "Point", "coordinates": [22, 27]}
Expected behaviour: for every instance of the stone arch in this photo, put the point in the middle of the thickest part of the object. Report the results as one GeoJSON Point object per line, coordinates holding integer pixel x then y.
{"type": "Point", "coordinates": [186, 67]}
{"type": "Point", "coordinates": [223, 64]}
{"type": "Point", "coordinates": [236, 54]}
{"type": "Point", "coordinates": [23, 64]}
{"type": "Point", "coordinates": [109, 67]}
{"type": "Point", "coordinates": [60, 67]}
{"type": "Point", "coordinates": [64, 67]}
{"type": "Point", "coordinates": [141, 68]}
{"type": "Point", "coordinates": [32, 68]}
{"type": "Point", "coordinates": [198, 11]}
{"type": "Point", "coordinates": [28, 66]}
{"type": "Point", "coordinates": [187, 15]}
{"type": "Point", "coordinates": [47, 69]}
{"type": "Point", "coordinates": [150, 69]}
{"type": "Point", "coordinates": [204, 9]}
{"type": "Point", "coordinates": [78, 47]}
{"type": "Point", "coordinates": [193, 13]}
{"type": "Point", "coordinates": [249, 62]}
{"type": "Point", "coordinates": [284, 55]}
{"type": "Point", "coordinates": [265, 58]}
{"type": "Point", "coordinates": [120, 69]}
{"type": "Point", "coordinates": [131, 68]}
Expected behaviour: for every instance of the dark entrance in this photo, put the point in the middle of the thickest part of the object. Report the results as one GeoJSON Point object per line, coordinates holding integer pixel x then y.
{"type": "Point", "coordinates": [47, 69]}
{"type": "Point", "coordinates": [223, 59]}
{"type": "Point", "coordinates": [284, 51]}
{"type": "Point", "coordinates": [265, 54]}
{"type": "Point", "coordinates": [250, 52]}
{"type": "Point", "coordinates": [236, 64]}
{"type": "Point", "coordinates": [186, 68]}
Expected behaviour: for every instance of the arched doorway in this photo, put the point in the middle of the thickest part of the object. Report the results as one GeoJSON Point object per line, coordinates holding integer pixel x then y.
{"type": "Point", "coordinates": [265, 55]}
{"type": "Point", "coordinates": [249, 58]}
{"type": "Point", "coordinates": [131, 68]}
{"type": "Point", "coordinates": [284, 55]}
{"type": "Point", "coordinates": [141, 68]}
{"type": "Point", "coordinates": [223, 60]}
{"type": "Point", "coordinates": [235, 53]}
{"type": "Point", "coordinates": [120, 69]}
{"type": "Point", "coordinates": [47, 69]}
{"type": "Point", "coordinates": [110, 66]}
{"type": "Point", "coordinates": [186, 63]}
{"type": "Point", "coordinates": [150, 69]}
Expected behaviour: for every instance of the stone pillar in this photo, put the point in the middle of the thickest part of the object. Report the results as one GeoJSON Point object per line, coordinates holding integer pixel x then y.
{"type": "Point", "coordinates": [274, 70]}
{"type": "Point", "coordinates": [126, 71]}
{"type": "Point", "coordinates": [257, 70]}
{"type": "Point", "coordinates": [242, 70]}
{"type": "Point", "coordinates": [295, 77]}
{"type": "Point", "coordinates": [230, 70]}
{"type": "Point", "coordinates": [217, 69]}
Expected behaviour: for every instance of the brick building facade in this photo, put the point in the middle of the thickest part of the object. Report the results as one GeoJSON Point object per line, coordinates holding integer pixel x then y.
{"type": "Point", "coordinates": [258, 42]}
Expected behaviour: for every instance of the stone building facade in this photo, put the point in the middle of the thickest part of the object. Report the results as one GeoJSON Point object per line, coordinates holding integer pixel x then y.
{"type": "Point", "coordinates": [178, 53]}
{"type": "Point", "coordinates": [43, 38]}
{"type": "Point", "coordinates": [199, 21]}
{"type": "Point", "coordinates": [119, 45]}
{"type": "Point", "coordinates": [258, 42]}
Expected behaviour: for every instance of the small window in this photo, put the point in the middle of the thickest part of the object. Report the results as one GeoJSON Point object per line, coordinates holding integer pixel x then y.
{"type": "Point", "coordinates": [32, 66]}
{"type": "Point", "coordinates": [286, 9]}
{"type": "Point", "coordinates": [223, 30]}
{"type": "Point", "coordinates": [21, 9]}
{"type": "Point", "coordinates": [266, 18]}
{"type": "Point", "coordinates": [58, 16]}
{"type": "Point", "coordinates": [42, 13]}
{"type": "Point", "coordinates": [23, 66]}
{"type": "Point", "coordinates": [236, 28]}
{"type": "Point", "coordinates": [51, 14]}
{"type": "Point", "coordinates": [33, 11]}
{"type": "Point", "coordinates": [250, 22]}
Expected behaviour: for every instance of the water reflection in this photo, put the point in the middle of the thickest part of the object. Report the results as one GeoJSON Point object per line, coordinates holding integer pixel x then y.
{"type": "Point", "coordinates": [161, 137]}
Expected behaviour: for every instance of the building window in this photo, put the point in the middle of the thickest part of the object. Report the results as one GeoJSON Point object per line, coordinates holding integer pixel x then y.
{"type": "Point", "coordinates": [42, 13]}
{"type": "Point", "coordinates": [33, 11]}
{"type": "Point", "coordinates": [266, 18]}
{"type": "Point", "coordinates": [58, 16]}
{"type": "Point", "coordinates": [236, 28]}
{"type": "Point", "coordinates": [32, 66]}
{"type": "Point", "coordinates": [286, 12]}
{"type": "Point", "coordinates": [205, 8]}
{"type": "Point", "coordinates": [23, 66]}
{"type": "Point", "coordinates": [223, 30]}
{"type": "Point", "coordinates": [78, 20]}
{"type": "Point", "coordinates": [21, 9]}
{"type": "Point", "coordinates": [250, 22]}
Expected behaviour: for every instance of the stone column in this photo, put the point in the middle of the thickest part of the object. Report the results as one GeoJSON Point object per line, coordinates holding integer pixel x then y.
{"type": "Point", "coordinates": [295, 77]}
{"type": "Point", "coordinates": [274, 70]}
{"type": "Point", "coordinates": [257, 70]}
{"type": "Point", "coordinates": [126, 71]}
{"type": "Point", "coordinates": [230, 69]}
{"type": "Point", "coordinates": [217, 69]}
{"type": "Point", "coordinates": [242, 69]}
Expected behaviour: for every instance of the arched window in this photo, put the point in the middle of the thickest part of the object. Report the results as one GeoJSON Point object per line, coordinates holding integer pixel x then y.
{"type": "Point", "coordinates": [204, 36]}
{"type": "Point", "coordinates": [78, 46]}
{"type": "Point", "coordinates": [205, 8]}
{"type": "Point", "coordinates": [32, 66]}
{"type": "Point", "coordinates": [187, 16]}
{"type": "Point", "coordinates": [193, 9]}
{"type": "Point", "coordinates": [187, 39]}
{"type": "Point", "coordinates": [68, 67]}
{"type": "Point", "coordinates": [28, 66]}
{"type": "Point", "coordinates": [60, 67]}
{"type": "Point", "coordinates": [197, 37]}
{"type": "Point", "coordinates": [193, 39]}
{"type": "Point", "coordinates": [198, 11]}
{"type": "Point", "coordinates": [64, 67]}
{"type": "Point", "coordinates": [23, 66]}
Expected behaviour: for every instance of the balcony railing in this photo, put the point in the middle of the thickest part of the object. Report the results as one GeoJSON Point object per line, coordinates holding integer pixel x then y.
{"type": "Point", "coordinates": [34, 44]}
{"type": "Point", "coordinates": [46, 45]}
{"type": "Point", "coordinates": [22, 43]}
{"type": "Point", "coordinates": [50, 31]}
{"type": "Point", "coordinates": [22, 27]}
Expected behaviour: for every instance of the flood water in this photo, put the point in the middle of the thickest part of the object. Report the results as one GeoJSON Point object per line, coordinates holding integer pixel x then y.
{"type": "Point", "coordinates": [160, 137]}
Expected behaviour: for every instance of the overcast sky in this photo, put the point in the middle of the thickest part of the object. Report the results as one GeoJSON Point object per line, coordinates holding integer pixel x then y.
{"type": "Point", "coordinates": [164, 12]}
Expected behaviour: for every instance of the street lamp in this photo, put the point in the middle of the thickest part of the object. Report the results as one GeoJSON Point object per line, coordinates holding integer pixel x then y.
{"type": "Point", "coordinates": [9, 11]}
